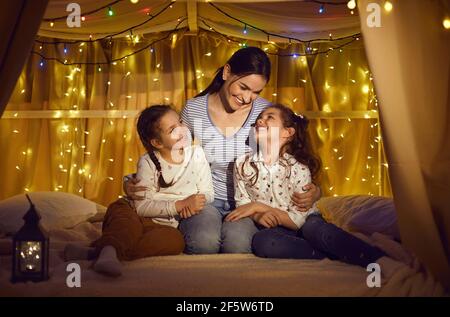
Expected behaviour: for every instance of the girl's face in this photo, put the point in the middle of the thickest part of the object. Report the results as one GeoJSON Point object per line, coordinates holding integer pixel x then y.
{"type": "Point", "coordinates": [173, 134]}
{"type": "Point", "coordinates": [270, 127]}
{"type": "Point", "coordinates": [238, 92]}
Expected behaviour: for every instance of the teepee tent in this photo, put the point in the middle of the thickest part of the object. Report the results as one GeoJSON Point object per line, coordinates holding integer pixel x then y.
{"type": "Point", "coordinates": [402, 51]}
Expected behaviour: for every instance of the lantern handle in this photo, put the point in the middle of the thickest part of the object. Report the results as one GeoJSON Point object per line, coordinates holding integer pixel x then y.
{"type": "Point", "coordinates": [29, 199]}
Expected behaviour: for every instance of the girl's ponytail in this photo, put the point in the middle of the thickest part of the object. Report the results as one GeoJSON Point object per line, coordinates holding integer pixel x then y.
{"type": "Point", "coordinates": [215, 85]}
{"type": "Point", "coordinates": [302, 147]}
{"type": "Point", "coordinates": [301, 129]}
{"type": "Point", "coordinates": [161, 182]}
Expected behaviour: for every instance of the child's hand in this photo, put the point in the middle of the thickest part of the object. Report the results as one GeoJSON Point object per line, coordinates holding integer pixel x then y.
{"type": "Point", "coordinates": [186, 213]}
{"type": "Point", "coordinates": [192, 205]}
{"type": "Point", "coordinates": [268, 219]}
{"type": "Point", "coordinates": [243, 211]}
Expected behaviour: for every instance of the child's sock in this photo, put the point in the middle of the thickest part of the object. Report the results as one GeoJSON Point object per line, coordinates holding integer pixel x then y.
{"type": "Point", "coordinates": [108, 263]}
{"type": "Point", "coordinates": [77, 251]}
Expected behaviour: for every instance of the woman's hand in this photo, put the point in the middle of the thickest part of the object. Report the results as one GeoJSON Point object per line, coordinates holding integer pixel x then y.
{"type": "Point", "coordinates": [304, 201]}
{"type": "Point", "coordinates": [246, 210]}
{"type": "Point", "coordinates": [269, 219]}
{"type": "Point", "coordinates": [130, 187]}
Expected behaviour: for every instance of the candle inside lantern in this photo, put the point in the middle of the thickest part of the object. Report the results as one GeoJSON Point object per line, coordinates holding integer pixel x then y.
{"type": "Point", "coordinates": [30, 252]}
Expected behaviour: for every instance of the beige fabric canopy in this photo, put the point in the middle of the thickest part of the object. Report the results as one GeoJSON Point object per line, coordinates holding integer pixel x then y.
{"type": "Point", "coordinates": [410, 59]}
{"type": "Point", "coordinates": [288, 18]}
{"type": "Point", "coordinates": [19, 22]}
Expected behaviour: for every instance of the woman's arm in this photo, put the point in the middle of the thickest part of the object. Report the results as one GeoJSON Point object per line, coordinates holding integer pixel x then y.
{"type": "Point", "coordinates": [204, 178]}
{"type": "Point", "coordinates": [306, 200]}
{"type": "Point", "coordinates": [306, 193]}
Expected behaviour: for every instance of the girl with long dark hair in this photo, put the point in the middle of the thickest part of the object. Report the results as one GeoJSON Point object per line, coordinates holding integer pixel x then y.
{"type": "Point", "coordinates": [283, 163]}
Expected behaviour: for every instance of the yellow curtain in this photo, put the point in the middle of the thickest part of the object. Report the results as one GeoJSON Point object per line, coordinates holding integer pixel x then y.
{"type": "Point", "coordinates": [410, 57]}
{"type": "Point", "coordinates": [77, 143]}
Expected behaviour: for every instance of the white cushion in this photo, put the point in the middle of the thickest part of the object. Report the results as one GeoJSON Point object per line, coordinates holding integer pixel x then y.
{"type": "Point", "coordinates": [58, 210]}
{"type": "Point", "coordinates": [361, 213]}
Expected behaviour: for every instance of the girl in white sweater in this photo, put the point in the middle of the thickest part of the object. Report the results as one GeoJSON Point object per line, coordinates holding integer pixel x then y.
{"type": "Point", "coordinates": [176, 184]}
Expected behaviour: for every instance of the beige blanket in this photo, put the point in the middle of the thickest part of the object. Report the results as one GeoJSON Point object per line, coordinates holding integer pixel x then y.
{"type": "Point", "coordinates": [211, 275]}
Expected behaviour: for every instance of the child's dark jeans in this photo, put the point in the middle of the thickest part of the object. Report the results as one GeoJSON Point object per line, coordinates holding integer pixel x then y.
{"type": "Point", "coordinates": [316, 239]}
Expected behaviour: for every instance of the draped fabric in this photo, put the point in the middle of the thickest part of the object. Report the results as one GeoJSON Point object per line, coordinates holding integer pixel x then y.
{"type": "Point", "coordinates": [18, 20]}
{"type": "Point", "coordinates": [410, 59]}
{"type": "Point", "coordinates": [72, 128]}
{"type": "Point", "coordinates": [298, 19]}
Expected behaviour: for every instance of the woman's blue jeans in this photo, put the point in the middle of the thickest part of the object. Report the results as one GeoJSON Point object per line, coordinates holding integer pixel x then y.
{"type": "Point", "coordinates": [207, 233]}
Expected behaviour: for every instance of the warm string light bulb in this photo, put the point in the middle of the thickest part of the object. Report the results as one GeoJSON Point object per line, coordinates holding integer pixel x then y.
{"type": "Point", "coordinates": [351, 4]}
{"type": "Point", "coordinates": [388, 6]}
{"type": "Point", "coordinates": [446, 23]}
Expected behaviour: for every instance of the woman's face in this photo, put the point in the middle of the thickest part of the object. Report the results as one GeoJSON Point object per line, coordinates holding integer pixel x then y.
{"type": "Point", "coordinates": [238, 92]}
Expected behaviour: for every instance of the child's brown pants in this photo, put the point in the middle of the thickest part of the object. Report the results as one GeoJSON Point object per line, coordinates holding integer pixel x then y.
{"type": "Point", "coordinates": [136, 237]}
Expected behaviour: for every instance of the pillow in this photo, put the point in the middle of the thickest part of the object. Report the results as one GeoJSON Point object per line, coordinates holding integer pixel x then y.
{"type": "Point", "coordinates": [58, 210]}
{"type": "Point", "coordinates": [99, 215]}
{"type": "Point", "coordinates": [361, 213]}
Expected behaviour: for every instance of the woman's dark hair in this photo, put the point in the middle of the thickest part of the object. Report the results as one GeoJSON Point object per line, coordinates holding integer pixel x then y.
{"type": "Point", "coordinates": [299, 146]}
{"type": "Point", "coordinates": [244, 62]}
{"type": "Point", "coordinates": [148, 128]}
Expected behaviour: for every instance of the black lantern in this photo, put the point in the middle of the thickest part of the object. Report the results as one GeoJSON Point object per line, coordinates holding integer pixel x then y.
{"type": "Point", "coordinates": [30, 250]}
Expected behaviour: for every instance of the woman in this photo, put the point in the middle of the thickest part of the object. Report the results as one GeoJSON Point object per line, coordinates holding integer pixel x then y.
{"type": "Point", "coordinates": [220, 118]}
